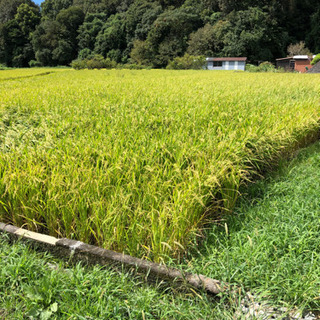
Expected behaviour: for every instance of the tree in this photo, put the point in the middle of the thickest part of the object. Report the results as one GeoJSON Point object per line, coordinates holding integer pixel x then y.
{"type": "Point", "coordinates": [169, 33]}
{"type": "Point", "coordinates": [141, 53]}
{"type": "Point", "coordinates": [64, 53]}
{"type": "Point", "coordinates": [248, 33]}
{"type": "Point", "coordinates": [147, 19]}
{"type": "Point", "coordinates": [55, 41]}
{"type": "Point", "coordinates": [202, 42]}
{"type": "Point", "coordinates": [138, 17]}
{"type": "Point", "coordinates": [27, 18]}
{"type": "Point", "coordinates": [44, 40]}
{"type": "Point", "coordinates": [298, 48]}
{"type": "Point", "coordinates": [89, 30]}
{"type": "Point", "coordinates": [70, 20]}
{"type": "Point", "coordinates": [15, 36]}
{"type": "Point", "coordinates": [111, 40]}
{"type": "Point", "coordinates": [14, 42]}
{"type": "Point", "coordinates": [2, 45]}
{"type": "Point", "coordinates": [51, 8]}
{"type": "Point", "coordinates": [313, 38]}
{"type": "Point", "coordinates": [8, 8]}
{"type": "Point", "coordinates": [187, 62]}
{"type": "Point", "coordinates": [154, 32]}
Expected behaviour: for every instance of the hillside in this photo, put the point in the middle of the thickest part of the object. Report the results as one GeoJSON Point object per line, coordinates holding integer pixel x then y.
{"type": "Point", "coordinates": [152, 32]}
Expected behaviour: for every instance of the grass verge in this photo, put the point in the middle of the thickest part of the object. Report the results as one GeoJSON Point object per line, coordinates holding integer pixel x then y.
{"type": "Point", "coordinates": [271, 244]}
{"type": "Point", "coordinates": [37, 286]}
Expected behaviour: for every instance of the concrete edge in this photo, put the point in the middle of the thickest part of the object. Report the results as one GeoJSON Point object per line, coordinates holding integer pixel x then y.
{"type": "Point", "coordinates": [96, 255]}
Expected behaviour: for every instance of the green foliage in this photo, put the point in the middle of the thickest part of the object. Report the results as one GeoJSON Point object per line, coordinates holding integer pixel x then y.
{"type": "Point", "coordinates": [111, 40]}
{"type": "Point", "coordinates": [89, 30]}
{"type": "Point", "coordinates": [249, 33]}
{"type": "Point", "coordinates": [110, 64]}
{"type": "Point", "coordinates": [17, 49]}
{"type": "Point", "coordinates": [78, 64]}
{"type": "Point", "coordinates": [63, 53]}
{"type": "Point", "coordinates": [265, 66]}
{"type": "Point", "coordinates": [166, 29]}
{"type": "Point", "coordinates": [85, 54]}
{"type": "Point", "coordinates": [169, 33]}
{"type": "Point", "coordinates": [97, 62]}
{"type": "Point", "coordinates": [140, 17]}
{"type": "Point", "coordinates": [55, 41]}
{"type": "Point", "coordinates": [141, 53]}
{"type": "Point", "coordinates": [45, 39]}
{"type": "Point", "coordinates": [251, 68]}
{"type": "Point", "coordinates": [187, 62]}
{"type": "Point", "coordinates": [316, 59]}
{"type": "Point", "coordinates": [15, 36]}
{"type": "Point", "coordinates": [93, 62]}
{"type": "Point", "coordinates": [70, 20]}
{"type": "Point", "coordinates": [8, 8]}
{"type": "Point", "coordinates": [203, 41]}
{"type": "Point", "coordinates": [51, 8]}
{"type": "Point", "coordinates": [312, 37]}
{"type": "Point", "coordinates": [34, 64]}
{"type": "Point", "coordinates": [147, 19]}
{"type": "Point", "coordinates": [28, 18]}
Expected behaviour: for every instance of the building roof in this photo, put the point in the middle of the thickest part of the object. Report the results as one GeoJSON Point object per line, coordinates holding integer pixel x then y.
{"type": "Point", "coordinates": [315, 68]}
{"type": "Point", "coordinates": [228, 59]}
{"type": "Point", "coordinates": [297, 57]}
{"type": "Point", "coordinates": [286, 58]}
{"type": "Point", "coordinates": [302, 57]}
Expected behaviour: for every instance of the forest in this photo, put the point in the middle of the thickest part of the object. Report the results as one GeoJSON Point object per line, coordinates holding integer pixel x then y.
{"type": "Point", "coordinates": [152, 33]}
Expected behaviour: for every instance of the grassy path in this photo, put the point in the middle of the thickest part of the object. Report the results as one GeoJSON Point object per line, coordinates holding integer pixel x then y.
{"type": "Point", "coordinates": [270, 246]}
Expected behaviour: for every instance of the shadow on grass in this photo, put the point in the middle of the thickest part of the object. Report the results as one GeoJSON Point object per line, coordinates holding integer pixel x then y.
{"type": "Point", "coordinates": [271, 242]}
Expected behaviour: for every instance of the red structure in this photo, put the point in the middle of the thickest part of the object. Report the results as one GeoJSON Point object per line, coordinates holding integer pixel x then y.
{"type": "Point", "coordinates": [300, 63]}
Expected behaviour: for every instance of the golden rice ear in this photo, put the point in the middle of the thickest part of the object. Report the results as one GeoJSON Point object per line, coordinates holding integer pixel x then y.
{"type": "Point", "coordinates": [140, 161]}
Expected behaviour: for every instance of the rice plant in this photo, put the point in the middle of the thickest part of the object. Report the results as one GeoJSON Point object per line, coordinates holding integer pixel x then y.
{"type": "Point", "coordinates": [138, 161]}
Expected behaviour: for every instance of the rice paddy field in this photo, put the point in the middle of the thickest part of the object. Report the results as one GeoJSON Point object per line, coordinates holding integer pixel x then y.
{"type": "Point", "coordinates": [141, 161]}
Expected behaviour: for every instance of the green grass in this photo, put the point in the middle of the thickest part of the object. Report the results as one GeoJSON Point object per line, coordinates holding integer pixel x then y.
{"type": "Point", "coordinates": [31, 289]}
{"type": "Point", "coordinates": [271, 247]}
{"type": "Point", "coordinates": [139, 161]}
{"type": "Point", "coordinates": [271, 244]}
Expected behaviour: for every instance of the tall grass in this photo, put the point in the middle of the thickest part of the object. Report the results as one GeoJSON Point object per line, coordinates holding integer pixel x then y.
{"type": "Point", "coordinates": [137, 161]}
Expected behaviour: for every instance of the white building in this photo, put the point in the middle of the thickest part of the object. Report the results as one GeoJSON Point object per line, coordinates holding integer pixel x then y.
{"type": "Point", "coordinates": [226, 63]}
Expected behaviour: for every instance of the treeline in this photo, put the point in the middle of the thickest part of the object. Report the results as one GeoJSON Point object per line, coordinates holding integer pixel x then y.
{"type": "Point", "coordinates": [153, 33]}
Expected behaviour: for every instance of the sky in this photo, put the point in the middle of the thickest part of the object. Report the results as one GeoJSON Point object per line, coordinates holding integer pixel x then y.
{"type": "Point", "coordinates": [38, 1]}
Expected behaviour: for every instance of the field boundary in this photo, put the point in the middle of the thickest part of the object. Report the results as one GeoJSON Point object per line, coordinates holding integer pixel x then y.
{"type": "Point", "coordinates": [67, 248]}
{"type": "Point", "coordinates": [28, 76]}
{"type": "Point", "coordinates": [250, 305]}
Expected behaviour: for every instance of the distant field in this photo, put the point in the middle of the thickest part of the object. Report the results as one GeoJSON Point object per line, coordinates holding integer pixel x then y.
{"type": "Point", "coordinates": [137, 161]}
